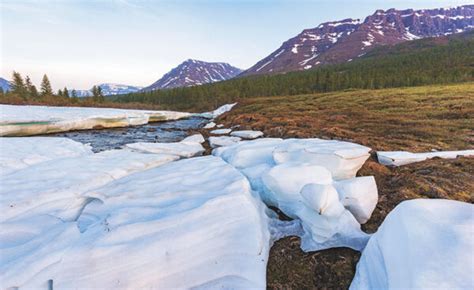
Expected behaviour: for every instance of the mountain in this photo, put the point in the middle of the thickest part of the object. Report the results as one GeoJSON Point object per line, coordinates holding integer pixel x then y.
{"type": "Point", "coordinates": [109, 89]}
{"type": "Point", "coordinates": [348, 39]}
{"type": "Point", "coordinates": [194, 72]}
{"type": "Point", "coordinates": [4, 84]}
{"type": "Point", "coordinates": [118, 89]}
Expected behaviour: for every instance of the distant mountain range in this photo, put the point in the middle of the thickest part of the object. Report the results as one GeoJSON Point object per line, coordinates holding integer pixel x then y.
{"type": "Point", "coordinates": [343, 41]}
{"type": "Point", "coordinates": [195, 72]}
{"type": "Point", "coordinates": [4, 84]}
{"type": "Point", "coordinates": [110, 89]}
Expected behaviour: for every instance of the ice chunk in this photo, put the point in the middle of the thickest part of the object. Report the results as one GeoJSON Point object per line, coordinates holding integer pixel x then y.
{"type": "Point", "coordinates": [343, 159]}
{"type": "Point", "coordinates": [398, 158]}
{"type": "Point", "coordinates": [328, 216]}
{"type": "Point", "coordinates": [221, 131]}
{"type": "Point", "coordinates": [209, 125]}
{"type": "Point", "coordinates": [57, 187]}
{"type": "Point", "coordinates": [305, 192]}
{"type": "Point", "coordinates": [220, 125]}
{"type": "Point", "coordinates": [223, 141]}
{"type": "Point", "coordinates": [18, 153]}
{"type": "Point", "coordinates": [359, 195]}
{"type": "Point", "coordinates": [188, 224]}
{"type": "Point", "coordinates": [35, 120]}
{"type": "Point", "coordinates": [196, 138]}
{"type": "Point", "coordinates": [422, 244]}
{"type": "Point", "coordinates": [247, 134]}
{"type": "Point", "coordinates": [182, 149]}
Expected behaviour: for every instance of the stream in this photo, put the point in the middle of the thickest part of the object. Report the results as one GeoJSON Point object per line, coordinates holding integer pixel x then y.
{"type": "Point", "coordinates": [115, 138]}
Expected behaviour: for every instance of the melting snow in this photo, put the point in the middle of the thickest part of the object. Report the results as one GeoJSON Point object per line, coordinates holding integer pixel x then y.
{"type": "Point", "coordinates": [422, 244]}
{"type": "Point", "coordinates": [398, 158]}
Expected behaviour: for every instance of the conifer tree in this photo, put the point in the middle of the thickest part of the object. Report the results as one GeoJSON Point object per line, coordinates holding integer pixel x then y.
{"type": "Point", "coordinates": [46, 89]}
{"type": "Point", "coordinates": [65, 92]}
{"type": "Point", "coordinates": [18, 86]}
{"type": "Point", "coordinates": [60, 93]}
{"type": "Point", "coordinates": [31, 88]}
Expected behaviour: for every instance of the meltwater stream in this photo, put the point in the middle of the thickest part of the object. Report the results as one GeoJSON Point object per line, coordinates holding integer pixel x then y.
{"type": "Point", "coordinates": [115, 138]}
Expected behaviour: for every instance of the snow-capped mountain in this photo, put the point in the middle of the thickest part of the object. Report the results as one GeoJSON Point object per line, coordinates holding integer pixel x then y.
{"type": "Point", "coordinates": [195, 72]}
{"type": "Point", "coordinates": [342, 41]}
{"type": "Point", "coordinates": [110, 89]}
{"type": "Point", "coordinates": [4, 84]}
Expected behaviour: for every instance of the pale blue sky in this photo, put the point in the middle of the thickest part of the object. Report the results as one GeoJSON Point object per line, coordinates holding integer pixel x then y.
{"type": "Point", "coordinates": [79, 43]}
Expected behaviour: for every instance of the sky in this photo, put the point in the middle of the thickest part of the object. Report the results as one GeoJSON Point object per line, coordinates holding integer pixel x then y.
{"type": "Point", "coordinates": [80, 43]}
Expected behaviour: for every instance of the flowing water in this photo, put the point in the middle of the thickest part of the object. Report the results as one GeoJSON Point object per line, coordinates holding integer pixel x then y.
{"type": "Point", "coordinates": [115, 138]}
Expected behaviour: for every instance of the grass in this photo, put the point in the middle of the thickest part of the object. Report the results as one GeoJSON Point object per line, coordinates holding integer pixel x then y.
{"type": "Point", "coordinates": [415, 119]}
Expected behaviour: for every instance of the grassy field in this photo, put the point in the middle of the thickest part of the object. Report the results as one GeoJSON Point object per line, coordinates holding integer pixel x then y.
{"type": "Point", "coordinates": [418, 118]}
{"type": "Point", "coordinates": [415, 119]}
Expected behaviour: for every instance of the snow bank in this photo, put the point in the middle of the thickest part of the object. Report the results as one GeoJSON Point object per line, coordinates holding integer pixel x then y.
{"type": "Point", "coordinates": [57, 187]}
{"type": "Point", "coordinates": [190, 223]}
{"type": "Point", "coordinates": [398, 158]}
{"type": "Point", "coordinates": [184, 149]}
{"type": "Point", "coordinates": [18, 153]}
{"type": "Point", "coordinates": [312, 180]}
{"type": "Point", "coordinates": [422, 244]}
{"type": "Point", "coordinates": [221, 131]}
{"type": "Point", "coordinates": [219, 111]}
{"type": "Point", "coordinates": [35, 120]}
{"type": "Point", "coordinates": [247, 134]}
{"type": "Point", "coordinates": [223, 141]}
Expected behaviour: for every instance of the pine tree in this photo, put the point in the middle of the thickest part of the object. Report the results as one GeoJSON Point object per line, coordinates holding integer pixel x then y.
{"type": "Point", "coordinates": [31, 88]}
{"type": "Point", "coordinates": [60, 93]}
{"type": "Point", "coordinates": [18, 86]}
{"type": "Point", "coordinates": [74, 94]}
{"type": "Point", "coordinates": [46, 89]}
{"type": "Point", "coordinates": [100, 95]}
{"type": "Point", "coordinates": [95, 94]}
{"type": "Point", "coordinates": [65, 92]}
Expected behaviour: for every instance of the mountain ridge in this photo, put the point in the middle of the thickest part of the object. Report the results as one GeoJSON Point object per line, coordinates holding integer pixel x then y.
{"type": "Point", "coordinates": [194, 72]}
{"type": "Point", "coordinates": [341, 41]}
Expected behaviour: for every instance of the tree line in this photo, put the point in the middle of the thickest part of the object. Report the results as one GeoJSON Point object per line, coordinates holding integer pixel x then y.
{"type": "Point", "coordinates": [24, 89]}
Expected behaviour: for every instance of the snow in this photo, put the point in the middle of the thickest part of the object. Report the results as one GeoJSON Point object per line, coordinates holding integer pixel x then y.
{"type": "Point", "coordinates": [188, 224]}
{"type": "Point", "coordinates": [209, 125]}
{"type": "Point", "coordinates": [312, 180]}
{"type": "Point", "coordinates": [219, 111]}
{"type": "Point", "coordinates": [183, 149]}
{"type": "Point", "coordinates": [196, 138]}
{"type": "Point", "coordinates": [342, 159]}
{"type": "Point", "coordinates": [19, 153]}
{"type": "Point", "coordinates": [221, 131]}
{"type": "Point", "coordinates": [422, 244]}
{"type": "Point", "coordinates": [399, 158]}
{"type": "Point", "coordinates": [215, 142]}
{"type": "Point", "coordinates": [247, 134]}
{"type": "Point", "coordinates": [57, 187]}
{"type": "Point", "coordinates": [35, 120]}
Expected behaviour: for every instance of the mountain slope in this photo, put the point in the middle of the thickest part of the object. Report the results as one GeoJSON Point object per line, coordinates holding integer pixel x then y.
{"type": "Point", "coordinates": [194, 72]}
{"type": "Point", "coordinates": [346, 40]}
{"type": "Point", "coordinates": [4, 84]}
